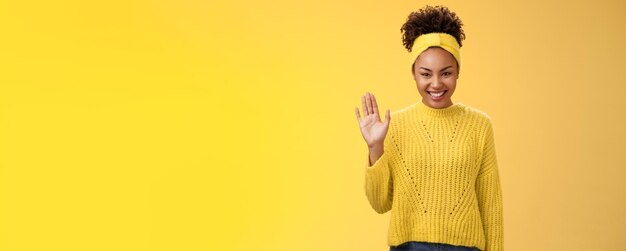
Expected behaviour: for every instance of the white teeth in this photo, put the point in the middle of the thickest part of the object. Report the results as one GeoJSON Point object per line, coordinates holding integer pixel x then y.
{"type": "Point", "coordinates": [436, 94]}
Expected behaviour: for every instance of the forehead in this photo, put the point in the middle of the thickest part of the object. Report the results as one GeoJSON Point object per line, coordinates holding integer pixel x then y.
{"type": "Point", "coordinates": [435, 57]}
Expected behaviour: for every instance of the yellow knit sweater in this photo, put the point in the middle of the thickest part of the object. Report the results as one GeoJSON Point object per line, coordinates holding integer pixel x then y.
{"type": "Point", "coordinates": [439, 177]}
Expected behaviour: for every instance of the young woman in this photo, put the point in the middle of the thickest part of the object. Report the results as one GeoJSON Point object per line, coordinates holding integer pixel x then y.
{"type": "Point", "coordinates": [434, 165]}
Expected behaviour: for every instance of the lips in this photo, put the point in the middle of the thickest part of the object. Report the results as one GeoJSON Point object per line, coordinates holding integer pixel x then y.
{"type": "Point", "coordinates": [437, 94]}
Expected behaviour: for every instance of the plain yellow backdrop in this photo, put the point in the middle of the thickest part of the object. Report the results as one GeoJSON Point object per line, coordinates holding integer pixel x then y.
{"type": "Point", "coordinates": [230, 125]}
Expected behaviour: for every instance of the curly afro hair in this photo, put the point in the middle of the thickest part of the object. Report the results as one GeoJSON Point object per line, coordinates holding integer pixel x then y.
{"type": "Point", "coordinates": [431, 19]}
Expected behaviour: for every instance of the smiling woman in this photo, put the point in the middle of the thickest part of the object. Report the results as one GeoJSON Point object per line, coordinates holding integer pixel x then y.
{"type": "Point", "coordinates": [435, 77]}
{"type": "Point", "coordinates": [434, 37]}
{"type": "Point", "coordinates": [437, 171]}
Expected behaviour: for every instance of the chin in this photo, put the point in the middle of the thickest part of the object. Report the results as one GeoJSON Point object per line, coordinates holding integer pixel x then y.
{"type": "Point", "coordinates": [436, 104]}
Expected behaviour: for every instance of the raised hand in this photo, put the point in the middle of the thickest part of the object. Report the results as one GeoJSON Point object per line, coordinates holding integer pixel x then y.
{"type": "Point", "coordinates": [373, 129]}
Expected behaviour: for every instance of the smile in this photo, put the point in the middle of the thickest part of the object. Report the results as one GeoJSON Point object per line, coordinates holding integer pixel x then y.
{"type": "Point", "coordinates": [436, 94]}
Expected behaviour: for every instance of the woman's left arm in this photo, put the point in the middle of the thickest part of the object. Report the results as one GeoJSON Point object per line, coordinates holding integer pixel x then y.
{"type": "Point", "coordinates": [489, 193]}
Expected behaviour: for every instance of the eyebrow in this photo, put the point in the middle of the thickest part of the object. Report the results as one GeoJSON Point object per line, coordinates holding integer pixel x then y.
{"type": "Point", "coordinates": [441, 69]}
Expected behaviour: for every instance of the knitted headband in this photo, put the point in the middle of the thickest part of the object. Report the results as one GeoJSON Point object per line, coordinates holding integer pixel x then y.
{"type": "Point", "coordinates": [443, 40]}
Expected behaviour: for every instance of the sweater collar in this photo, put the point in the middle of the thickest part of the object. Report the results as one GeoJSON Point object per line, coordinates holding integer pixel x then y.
{"type": "Point", "coordinates": [454, 109]}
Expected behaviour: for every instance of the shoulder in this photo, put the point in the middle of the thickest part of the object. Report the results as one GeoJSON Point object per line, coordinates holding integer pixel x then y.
{"type": "Point", "coordinates": [402, 117]}
{"type": "Point", "coordinates": [481, 121]}
{"type": "Point", "coordinates": [478, 115]}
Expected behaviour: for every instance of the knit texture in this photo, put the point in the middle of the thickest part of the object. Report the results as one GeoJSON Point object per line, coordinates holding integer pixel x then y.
{"type": "Point", "coordinates": [439, 176]}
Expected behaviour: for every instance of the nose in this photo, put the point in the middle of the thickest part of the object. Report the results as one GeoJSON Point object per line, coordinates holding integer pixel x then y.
{"type": "Point", "coordinates": [436, 83]}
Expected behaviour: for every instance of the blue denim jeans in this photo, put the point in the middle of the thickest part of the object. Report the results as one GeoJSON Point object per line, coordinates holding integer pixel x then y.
{"type": "Point", "coordinates": [428, 246]}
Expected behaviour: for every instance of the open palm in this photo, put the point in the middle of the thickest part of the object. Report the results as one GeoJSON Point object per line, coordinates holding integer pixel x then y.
{"type": "Point", "coordinates": [372, 128]}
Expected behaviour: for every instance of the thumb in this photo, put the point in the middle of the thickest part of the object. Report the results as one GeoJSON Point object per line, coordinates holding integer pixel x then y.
{"type": "Point", "coordinates": [387, 116]}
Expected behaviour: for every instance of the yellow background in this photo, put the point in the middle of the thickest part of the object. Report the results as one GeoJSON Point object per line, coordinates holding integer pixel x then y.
{"type": "Point", "coordinates": [206, 125]}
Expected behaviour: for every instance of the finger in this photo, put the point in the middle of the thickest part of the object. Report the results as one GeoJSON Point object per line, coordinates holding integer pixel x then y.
{"type": "Point", "coordinates": [375, 106]}
{"type": "Point", "coordinates": [358, 115]}
{"type": "Point", "coordinates": [370, 110]}
{"type": "Point", "coordinates": [364, 105]}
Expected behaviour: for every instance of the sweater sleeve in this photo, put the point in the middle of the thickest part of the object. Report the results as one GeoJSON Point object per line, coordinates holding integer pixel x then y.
{"type": "Point", "coordinates": [378, 180]}
{"type": "Point", "coordinates": [489, 194]}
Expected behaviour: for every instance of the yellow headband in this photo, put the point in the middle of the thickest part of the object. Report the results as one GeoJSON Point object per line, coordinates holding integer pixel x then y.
{"type": "Point", "coordinates": [443, 40]}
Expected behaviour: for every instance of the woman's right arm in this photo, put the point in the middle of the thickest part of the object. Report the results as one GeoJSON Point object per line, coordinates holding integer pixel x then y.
{"type": "Point", "coordinates": [375, 153]}
{"type": "Point", "coordinates": [378, 179]}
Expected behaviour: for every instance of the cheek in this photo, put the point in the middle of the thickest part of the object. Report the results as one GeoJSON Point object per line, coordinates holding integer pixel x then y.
{"type": "Point", "coordinates": [421, 85]}
{"type": "Point", "coordinates": [451, 83]}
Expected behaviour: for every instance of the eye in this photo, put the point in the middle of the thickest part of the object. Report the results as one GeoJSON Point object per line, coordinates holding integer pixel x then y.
{"type": "Point", "coordinates": [425, 74]}
{"type": "Point", "coordinates": [447, 73]}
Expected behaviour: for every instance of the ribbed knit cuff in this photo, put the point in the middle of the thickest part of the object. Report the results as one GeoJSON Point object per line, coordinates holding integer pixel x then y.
{"type": "Point", "coordinates": [378, 184]}
{"type": "Point", "coordinates": [490, 202]}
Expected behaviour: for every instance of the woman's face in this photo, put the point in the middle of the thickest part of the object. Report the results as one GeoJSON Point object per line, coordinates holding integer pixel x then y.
{"type": "Point", "coordinates": [436, 71]}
